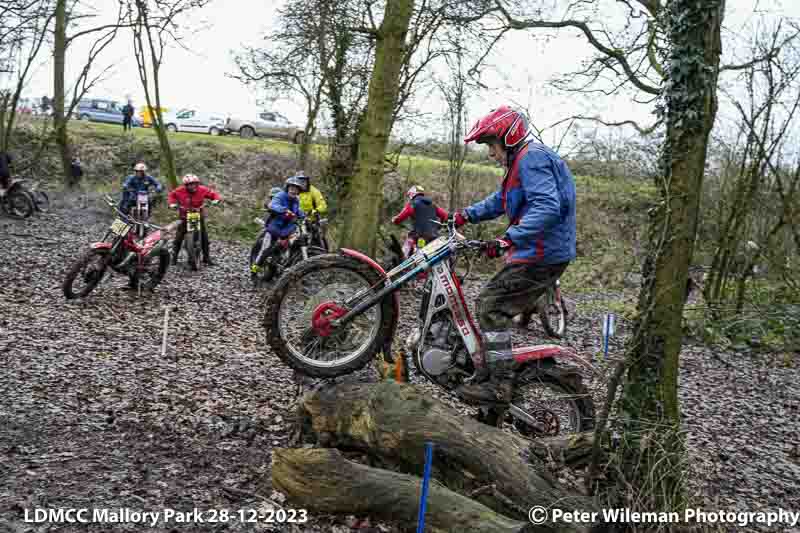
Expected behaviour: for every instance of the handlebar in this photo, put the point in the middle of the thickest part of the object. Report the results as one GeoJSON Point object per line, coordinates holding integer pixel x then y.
{"type": "Point", "coordinates": [178, 207]}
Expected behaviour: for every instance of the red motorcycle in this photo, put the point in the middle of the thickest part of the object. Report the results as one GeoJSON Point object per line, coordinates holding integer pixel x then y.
{"type": "Point", "coordinates": [144, 261]}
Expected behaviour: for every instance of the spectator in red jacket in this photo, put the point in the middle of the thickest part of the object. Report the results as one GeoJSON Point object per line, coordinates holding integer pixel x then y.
{"type": "Point", "coordinates": [192, 195]}
{"type": "Point", "coordinates": [424, 212]}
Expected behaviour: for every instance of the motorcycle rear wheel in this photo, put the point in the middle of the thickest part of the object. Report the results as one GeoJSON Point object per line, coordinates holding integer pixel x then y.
{"type": "Point", "coordinates": [381, 317]}
{"type": "Point", "coordinates": [92, 278]}
{"type": "Point", "coordinates": [571, 411]}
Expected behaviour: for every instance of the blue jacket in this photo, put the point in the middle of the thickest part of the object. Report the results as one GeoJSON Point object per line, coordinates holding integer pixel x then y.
{"type": "Point", "coordinates": [278, 224]}
{"type": "Point", "coordinates": [538, 196]}
{"type": "Point", "coordinates": [133, 185]}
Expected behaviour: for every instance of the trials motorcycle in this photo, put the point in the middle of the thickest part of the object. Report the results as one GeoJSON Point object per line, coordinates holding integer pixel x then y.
{"type": "Point", "coordinates": [141, 210]}
{"type": "Point", "coordinates": [307, 241]}
{"type": "Point", "coordinates": [193, 237]}
{"type": "Point", "coordinates": [333, 313]}
{"type": "Point", "coordinates": [143, 261]}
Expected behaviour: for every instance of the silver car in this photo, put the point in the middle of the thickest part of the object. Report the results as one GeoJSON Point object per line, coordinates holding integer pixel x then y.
{"type": "Point", "coordinates": [193, 120]}
{"type": "Point", "coordinates": [266, 124]}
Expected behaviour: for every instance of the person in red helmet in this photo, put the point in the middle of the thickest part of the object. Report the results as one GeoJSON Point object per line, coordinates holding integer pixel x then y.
{"type": "Point", "coordinates": [537, 194]}
{"type": "Point", "coordinates": [191, 194]}
{"type": "Point", "coordinates": [424, 213]}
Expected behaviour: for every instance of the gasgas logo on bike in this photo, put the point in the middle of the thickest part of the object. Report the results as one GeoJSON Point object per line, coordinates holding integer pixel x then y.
{"type": "Point", "coordinates": [455, 305]}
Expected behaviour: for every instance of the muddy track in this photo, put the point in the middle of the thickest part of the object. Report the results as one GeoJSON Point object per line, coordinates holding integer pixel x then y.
{"type": "Point", "coordinates": [92, 415]}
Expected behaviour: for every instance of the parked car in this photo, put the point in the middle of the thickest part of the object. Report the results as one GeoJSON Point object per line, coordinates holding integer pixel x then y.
{"type": "Point", "coordinates": [266, 124]}
{"type": "Point", "coordinates": [99, 110]}
{"type": "Point", "coordinates": [193, 120]}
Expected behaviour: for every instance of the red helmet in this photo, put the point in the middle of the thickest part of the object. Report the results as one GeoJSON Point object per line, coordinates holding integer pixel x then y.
{"type": "Point", "coordinates": [190, 178]}
{"type": "Point", "coordinates": [507, 126]}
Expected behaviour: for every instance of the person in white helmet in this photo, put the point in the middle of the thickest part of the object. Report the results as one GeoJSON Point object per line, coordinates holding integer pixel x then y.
{"type": "Point", "coordinates": [138, 182]}
{"type": "Point", "coordinates": [192, 195]}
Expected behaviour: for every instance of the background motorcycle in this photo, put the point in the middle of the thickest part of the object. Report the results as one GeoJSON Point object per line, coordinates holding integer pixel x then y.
{"type": "Point", "coordinates": [141, 210]}
{"type": "Point", "coordinates": [193, 238]}
{"type": "Point", "coordinates": [285, 253]}
{"type": "Point", "coordinates": [143, 261]}
{"type": "Point", "coordinates": [317, 227]}
{"type": "Point", "coordinates": [332, 314]}
{"type": "Point", "coordinates": [17, 200]}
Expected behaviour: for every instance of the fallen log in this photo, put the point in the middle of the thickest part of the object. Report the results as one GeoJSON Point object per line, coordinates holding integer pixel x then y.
{"type": "Point", "coordinates": [391, 422]}
{"type": "Point", "coordinates": [323, 480]}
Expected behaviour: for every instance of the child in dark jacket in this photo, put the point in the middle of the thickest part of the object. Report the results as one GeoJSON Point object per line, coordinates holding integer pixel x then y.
{"type": "Point", "coordinates": [424, 212]}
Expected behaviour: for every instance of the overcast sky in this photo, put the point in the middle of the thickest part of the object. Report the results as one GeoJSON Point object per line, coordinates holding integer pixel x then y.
{"type": "Point", "coordinates": [197, 76]}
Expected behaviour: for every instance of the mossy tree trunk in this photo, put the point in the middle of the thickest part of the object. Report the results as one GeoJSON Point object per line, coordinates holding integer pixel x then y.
{"type": "Point", "coordinates": [651, 455]}
{"type": "Point", "coordinates": [149, 42]}
{"type": "Point", "coordinates": [59, 115]}
{"type": "Point", "coordinates": [365, 190]}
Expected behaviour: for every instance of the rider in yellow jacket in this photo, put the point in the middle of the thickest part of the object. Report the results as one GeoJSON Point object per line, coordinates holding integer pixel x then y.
{"type": "Point", "coordinates": [311, 198]}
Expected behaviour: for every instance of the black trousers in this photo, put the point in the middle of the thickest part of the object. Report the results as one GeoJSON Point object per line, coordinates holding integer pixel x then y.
{"type": "Point", "coordinates": [126, 123]}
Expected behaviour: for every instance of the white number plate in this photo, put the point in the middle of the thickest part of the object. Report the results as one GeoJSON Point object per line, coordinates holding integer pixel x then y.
{"type": "Point", "coordinates": [120, 227]}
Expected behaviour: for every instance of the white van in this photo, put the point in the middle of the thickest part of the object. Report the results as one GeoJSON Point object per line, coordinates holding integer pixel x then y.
{"type": "Point", "coordinates": [193, 120]}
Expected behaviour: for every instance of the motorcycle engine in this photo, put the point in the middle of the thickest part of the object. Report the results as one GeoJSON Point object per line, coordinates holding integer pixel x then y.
{"type": "Point", "coordinates": [440, 353]}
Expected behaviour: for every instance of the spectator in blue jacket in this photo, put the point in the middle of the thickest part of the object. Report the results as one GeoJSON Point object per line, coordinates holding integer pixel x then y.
{"type": "Point", "coordinates": [538, 197]}
{"type": "Point", "coordinates": [138, 182]}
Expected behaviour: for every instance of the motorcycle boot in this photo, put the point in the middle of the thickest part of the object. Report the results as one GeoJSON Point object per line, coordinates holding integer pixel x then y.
{"type": "Point", "coordinates": [500, 363]}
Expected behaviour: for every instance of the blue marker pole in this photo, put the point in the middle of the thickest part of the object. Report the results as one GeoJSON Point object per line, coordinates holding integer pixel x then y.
{"type": "Point", "coordinates": [425, 481]}
{"type": "Point", "coordinates": [608, 330]}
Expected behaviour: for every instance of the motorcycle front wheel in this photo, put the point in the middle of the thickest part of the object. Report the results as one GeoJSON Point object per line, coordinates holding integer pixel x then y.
{"type": "Point", "coordinates": [299, 295]}
{"type": "Point", "coordinates": [192, 244]}
{"type": "Point", "coordinates": [41, 200]}
{"type": "Point", "coordinates": [84, 275]}
{"type": "Point", "coordinates": [19, 204]}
